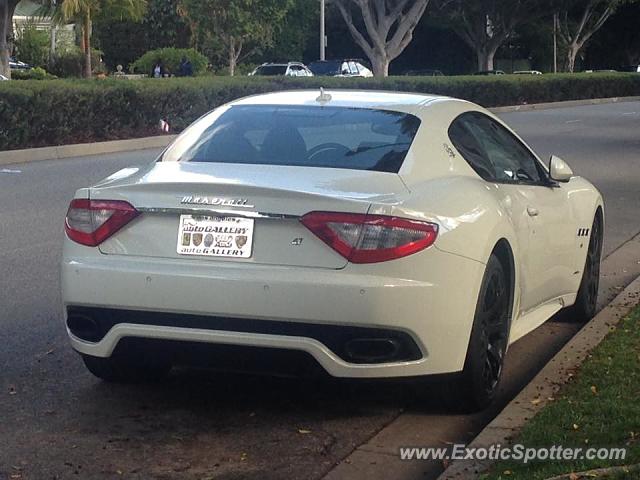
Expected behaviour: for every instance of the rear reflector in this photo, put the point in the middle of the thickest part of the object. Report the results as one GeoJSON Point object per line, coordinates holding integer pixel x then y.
{"type": "Point", "coordinates": [91, 222]}
{"type": "Point", "coordinates": [370, 238]}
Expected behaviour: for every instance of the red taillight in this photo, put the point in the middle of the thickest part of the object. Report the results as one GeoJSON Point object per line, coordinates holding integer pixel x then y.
{"type": "Point", "coordinates": [91, 222]}
{"type": "Point", "coordinates": [371, 238]}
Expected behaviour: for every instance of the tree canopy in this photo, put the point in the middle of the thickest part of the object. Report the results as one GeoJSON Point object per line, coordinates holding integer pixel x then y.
{"type": "Point", "coordinates": [455, 36]}
{"type": "Point", "coordinates": [85, 11]}
{"type": "Point", "coordinates": [240, 26]}
{"type": "Point", "coordinates": [579, 20]}
{"type": "Point", "coordinates": [485, 25]}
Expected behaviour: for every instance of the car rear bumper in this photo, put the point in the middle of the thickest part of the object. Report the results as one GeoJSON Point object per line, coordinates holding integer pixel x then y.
{"type": "Point", "coordinates": [427, 301]}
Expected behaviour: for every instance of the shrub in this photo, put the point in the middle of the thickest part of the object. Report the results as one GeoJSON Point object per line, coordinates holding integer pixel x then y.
{"type": "Point", "coordinates": [170, 58]}
{"type": "Point", "coordinates": [33, 45]}
{"type": "Point", "coordinates": [69, 62]}
{"type": "Point", "coordinates": [35, 73]}
{"type": "Point", "coordinates": [70, 111]}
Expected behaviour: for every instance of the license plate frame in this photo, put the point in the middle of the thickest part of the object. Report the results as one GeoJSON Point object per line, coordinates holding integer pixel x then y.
{"type": "Point", "coordinates": [215, 236]}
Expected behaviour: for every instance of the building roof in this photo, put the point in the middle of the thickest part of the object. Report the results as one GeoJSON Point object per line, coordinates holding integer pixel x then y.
{"type": "Point", "coordinates": [27, 8]}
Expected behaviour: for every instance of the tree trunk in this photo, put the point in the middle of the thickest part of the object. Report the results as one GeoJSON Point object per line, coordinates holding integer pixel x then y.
{"type": "Point", "coordinates": [86, 40]}
{"type": "Point", "coordinates": [383, 42]}
{"type": "Point", "coordinates": [4, 45]}
{"type": "Point", "coordinates": [486, 58]}
{"type": "Point", "coordinates": [232, 58]}
{"type": "Point", "coordinates": [572, 53]}
{"type": "Point", "coordinates": [380, 63]}
{"type": "Point", "coordinates": [236, 46]}
{"type": "Point", "coordinates": [52, 45]}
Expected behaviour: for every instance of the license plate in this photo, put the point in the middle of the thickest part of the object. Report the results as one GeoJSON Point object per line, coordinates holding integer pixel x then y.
{"type": "Point", "coordinates": [215, 236]}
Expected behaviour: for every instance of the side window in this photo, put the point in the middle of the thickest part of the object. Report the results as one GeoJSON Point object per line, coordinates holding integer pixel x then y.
{"type": "Point", "coordinates": [487, 145]}
{"type": "Point", "coordinates": [471, 150]}
{"type": "Point", "coordinates": [353, 69]}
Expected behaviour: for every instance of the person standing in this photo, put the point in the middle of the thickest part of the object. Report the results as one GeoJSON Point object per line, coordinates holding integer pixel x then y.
{"type": "Point", "coordinates": [186, 69]}
{"type": "Point", "coordinates": [158, 70]}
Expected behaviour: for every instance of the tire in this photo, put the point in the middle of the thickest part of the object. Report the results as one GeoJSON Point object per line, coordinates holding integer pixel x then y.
{"type": "Point", "coordinates": [126, 370]}
{"type": "Point", "coordinates": [475, 389]}
{"type": "Point", "coordinates": [587, 299]}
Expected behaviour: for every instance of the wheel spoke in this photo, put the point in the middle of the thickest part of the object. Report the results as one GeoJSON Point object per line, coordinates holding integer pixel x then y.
{"type": "Point", "coordinates": [493, 366]}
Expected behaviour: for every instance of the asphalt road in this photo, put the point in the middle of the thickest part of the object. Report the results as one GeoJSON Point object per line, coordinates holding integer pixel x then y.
{"type": "Point", "coordinates": [601, 143]}
{"type": "Point", "coordinates": [57, 421]}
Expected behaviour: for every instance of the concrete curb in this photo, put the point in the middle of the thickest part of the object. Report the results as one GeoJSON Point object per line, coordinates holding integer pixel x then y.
{"type": "Point", "coordinates": [83, 149]}
{"type": "Point", "coordinates": [545, 384]}
{"type": "Point", "coordinates": [567, 104]}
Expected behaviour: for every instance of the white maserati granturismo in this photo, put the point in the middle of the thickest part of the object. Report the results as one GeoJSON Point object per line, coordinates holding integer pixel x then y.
{"type": "Point", "coordinates": [375, 234]}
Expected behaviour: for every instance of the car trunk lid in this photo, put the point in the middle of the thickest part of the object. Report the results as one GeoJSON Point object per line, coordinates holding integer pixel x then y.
{"type": "Point", "coordinates": [271, 199]}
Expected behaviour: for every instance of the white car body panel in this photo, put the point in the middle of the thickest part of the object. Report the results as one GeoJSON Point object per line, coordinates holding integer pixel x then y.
{"type": "Point", "coordinates": [430, 295]}
{"type": "Point", "coordinates": [355, 295]}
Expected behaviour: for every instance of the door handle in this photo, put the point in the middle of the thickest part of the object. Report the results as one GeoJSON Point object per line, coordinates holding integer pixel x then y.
{"type": "Point", "coordinates": [533, 212]}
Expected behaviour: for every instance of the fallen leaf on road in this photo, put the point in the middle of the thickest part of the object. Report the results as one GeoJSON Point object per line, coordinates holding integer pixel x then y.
{"type": "Point", "coordinates": [576, 426]}
{"type": "Point", "coordinates": [12, 390]}
{"type": "Point", "coordinates": [243, 457]}
{"type": "Point", "coordinates": [594, 390]}
{"type": "Point", "coordinates": [304, 432]}
{"type": "Point", "coordinates": [536, 401]}
{"type": "Point", "coordinates": [573, 476]}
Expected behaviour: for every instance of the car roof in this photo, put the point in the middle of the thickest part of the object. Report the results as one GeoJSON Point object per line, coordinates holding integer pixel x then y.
{"type": "Point", "coordinates": [331, 60]}
{"type": "Point", "coordinates": [342, 98]}
{"type": "Point", "coordinates": [279, 64]}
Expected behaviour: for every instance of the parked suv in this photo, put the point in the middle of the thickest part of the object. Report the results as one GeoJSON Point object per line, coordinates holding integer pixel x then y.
{"type": "Point", "coordinates": [291, 69]}
{"type": "Point", "coordinates": [348, 67]}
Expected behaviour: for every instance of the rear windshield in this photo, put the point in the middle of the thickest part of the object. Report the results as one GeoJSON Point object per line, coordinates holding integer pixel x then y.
{"type": "Point", "coordinates": [330, 137]}
{"type": "Point", "coordinates": [326, 68]}
{"type": "Point", "coordinates": [271, 70]}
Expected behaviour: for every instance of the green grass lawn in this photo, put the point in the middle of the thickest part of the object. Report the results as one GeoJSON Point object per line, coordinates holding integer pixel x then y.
{"type": "Point", "coordinates": [600, 407]}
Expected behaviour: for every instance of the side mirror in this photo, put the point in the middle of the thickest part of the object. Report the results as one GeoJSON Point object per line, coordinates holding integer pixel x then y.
{"type": "Point", "coordinates": [559, 170]}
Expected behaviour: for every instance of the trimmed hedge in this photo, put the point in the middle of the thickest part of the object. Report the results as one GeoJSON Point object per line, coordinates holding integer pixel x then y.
{"type": "Point", "coordinates": [41, 113]}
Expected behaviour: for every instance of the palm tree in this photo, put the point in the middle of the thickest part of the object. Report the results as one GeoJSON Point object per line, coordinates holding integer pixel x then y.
{"type": "Point", "coordinates": [83, 11]}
